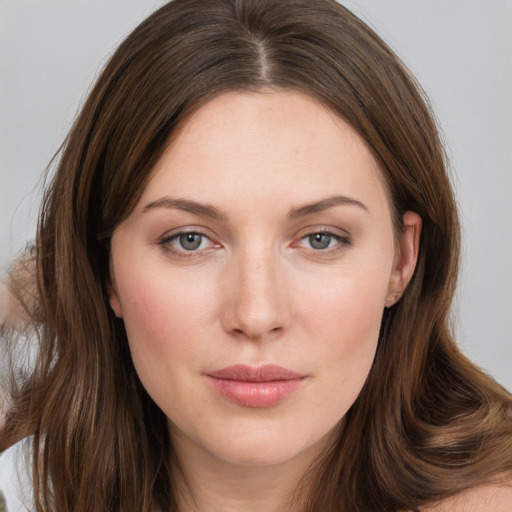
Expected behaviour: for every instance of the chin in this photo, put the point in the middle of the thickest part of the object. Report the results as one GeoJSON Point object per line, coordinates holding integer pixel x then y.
{"type": "Point", "coordinates": [264, 447]}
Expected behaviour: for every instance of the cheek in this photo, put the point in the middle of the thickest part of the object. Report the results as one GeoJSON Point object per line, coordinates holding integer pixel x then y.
{"type": "Point", "coordinates": [347, 304]}
{"type": "Point", "coordinates": [164, 317]}
{"type": "Point", "coordinates": [346, 322]}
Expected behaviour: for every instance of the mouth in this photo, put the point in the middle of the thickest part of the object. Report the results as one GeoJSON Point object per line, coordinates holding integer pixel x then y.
{"type": "Point", "coordinates": [264, 386]}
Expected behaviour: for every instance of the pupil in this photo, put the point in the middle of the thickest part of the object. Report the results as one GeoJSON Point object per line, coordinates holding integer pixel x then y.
{"type": "Point", "coordinates": [319, 241]}
{"type": "Point", "coordinates": [190, 241]}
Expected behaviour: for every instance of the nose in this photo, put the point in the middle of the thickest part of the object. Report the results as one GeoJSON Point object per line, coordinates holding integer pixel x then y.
{"type": "Point", "coordinates": [255, 297]}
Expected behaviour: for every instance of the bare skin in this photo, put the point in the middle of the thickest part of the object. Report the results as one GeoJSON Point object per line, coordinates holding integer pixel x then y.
{"type": "Point", "coordinates": [264, 237]}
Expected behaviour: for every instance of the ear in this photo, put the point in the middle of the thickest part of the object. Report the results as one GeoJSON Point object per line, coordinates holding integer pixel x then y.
{"type": "Point", "coordinates": [406, 256]}
{"type": "Point", "coordinates": [113, 298]}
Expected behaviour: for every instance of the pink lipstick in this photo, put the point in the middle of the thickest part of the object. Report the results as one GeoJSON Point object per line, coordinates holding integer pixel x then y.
{"type": "Point", "coordinates": [264, 386]}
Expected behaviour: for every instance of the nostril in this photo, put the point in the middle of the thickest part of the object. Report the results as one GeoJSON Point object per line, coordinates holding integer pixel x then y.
{"type": "Point", "coordinates": [247, 334]}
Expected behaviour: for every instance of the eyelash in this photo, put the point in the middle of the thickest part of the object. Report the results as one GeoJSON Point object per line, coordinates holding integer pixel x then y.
{"type": "Point", "coordinates": [342, 242]}
{"type": "Point", "coordinates": [166, 243]}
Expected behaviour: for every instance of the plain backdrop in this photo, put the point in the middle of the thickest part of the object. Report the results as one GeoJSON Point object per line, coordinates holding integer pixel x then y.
{"type": "Point", "coordinates": [460, 50]}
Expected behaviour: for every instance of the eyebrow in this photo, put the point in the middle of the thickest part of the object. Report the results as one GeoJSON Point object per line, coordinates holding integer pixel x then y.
{"type": "Point", "coordinates": [203, 210]}
{"type": "Point", "coordinates": [206, 210]}
{"type": "Point", "coordinates": [325, 204]}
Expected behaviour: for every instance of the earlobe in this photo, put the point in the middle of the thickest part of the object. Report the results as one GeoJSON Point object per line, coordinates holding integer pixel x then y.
{"type": "Point", "coordinates": [405, 258]}
{"type": "Point", "coordinates": [115, 304]}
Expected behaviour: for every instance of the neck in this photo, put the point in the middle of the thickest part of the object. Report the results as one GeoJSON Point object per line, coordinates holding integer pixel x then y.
{"type": "Point", "coordinates": [205, 482]}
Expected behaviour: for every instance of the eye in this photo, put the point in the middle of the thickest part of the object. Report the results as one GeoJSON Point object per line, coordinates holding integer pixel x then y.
{"type": "Point", "coordinates": [323, 241]}
{"type": "Point", "coordinates": [320, 240]}
{"type": "Point", "coordinates": [187, 242]}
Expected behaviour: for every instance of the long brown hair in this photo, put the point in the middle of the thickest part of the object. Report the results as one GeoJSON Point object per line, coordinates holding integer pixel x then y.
{"type": "Point", "coordinates": [427, 424]}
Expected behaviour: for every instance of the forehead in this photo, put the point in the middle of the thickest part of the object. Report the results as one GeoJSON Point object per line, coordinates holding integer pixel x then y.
{"type": "Point", "coordinates": [265, 143]}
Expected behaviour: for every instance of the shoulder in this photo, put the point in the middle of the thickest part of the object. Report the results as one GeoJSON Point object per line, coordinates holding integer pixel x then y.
{"type": "Point", "coordinates": [15, 485]}
{"type": "Point", "coordinates": [491, 498]}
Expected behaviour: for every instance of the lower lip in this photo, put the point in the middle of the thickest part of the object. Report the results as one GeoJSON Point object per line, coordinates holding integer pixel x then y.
{"type": "Point", "coordinates": [255, 394]}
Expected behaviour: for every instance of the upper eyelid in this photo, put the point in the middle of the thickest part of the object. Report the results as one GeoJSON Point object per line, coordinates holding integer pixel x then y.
{"type": "Point", "coordinates": [173, 233]}
{"type": "Point", "coordinates": [336, 236]}
{"type": "Point", "coordinates": [311, 230]}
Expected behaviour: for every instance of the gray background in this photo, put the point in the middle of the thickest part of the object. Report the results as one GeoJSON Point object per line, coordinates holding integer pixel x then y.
{"type": "Point", "coordinates": [460, 50]}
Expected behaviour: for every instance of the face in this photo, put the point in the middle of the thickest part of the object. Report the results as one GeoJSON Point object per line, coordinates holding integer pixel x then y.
{"type": "Point", "coordinates": [253, 274]}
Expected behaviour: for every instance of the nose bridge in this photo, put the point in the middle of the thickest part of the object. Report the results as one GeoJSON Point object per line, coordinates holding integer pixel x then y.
{"type": "Point", "coordinates": [256, 305]}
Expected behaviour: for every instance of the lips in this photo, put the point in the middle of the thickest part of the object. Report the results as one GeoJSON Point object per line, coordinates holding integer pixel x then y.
{"type": "Point", "coordinates": [264, 386]}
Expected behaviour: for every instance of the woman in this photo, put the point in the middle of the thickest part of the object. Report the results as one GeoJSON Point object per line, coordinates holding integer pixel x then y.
{"type": "Point", "coordinates": [245, 263]}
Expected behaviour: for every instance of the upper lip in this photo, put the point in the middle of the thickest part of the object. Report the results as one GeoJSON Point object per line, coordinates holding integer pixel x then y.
{"type": "Point", "coordinates": [265, 373]}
